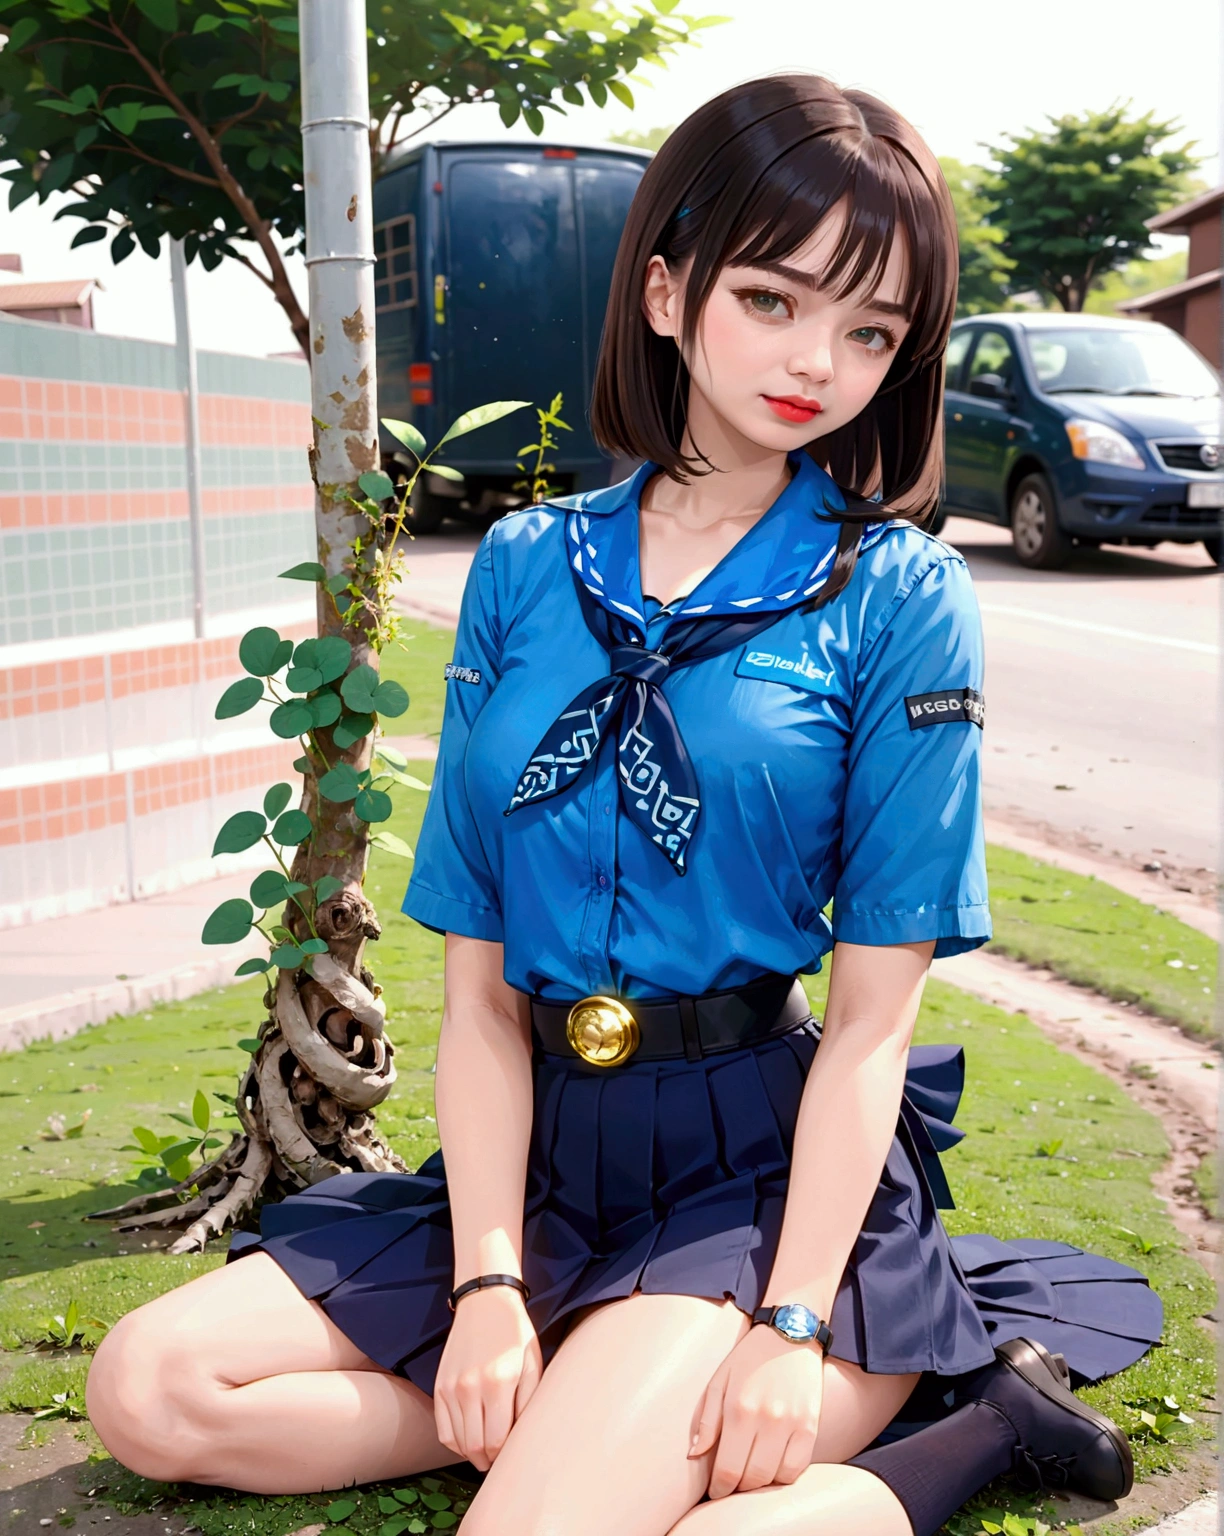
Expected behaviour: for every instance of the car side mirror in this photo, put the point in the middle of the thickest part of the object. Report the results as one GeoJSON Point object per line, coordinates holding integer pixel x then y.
{"type": "Point", "coordinates": [991, 386]}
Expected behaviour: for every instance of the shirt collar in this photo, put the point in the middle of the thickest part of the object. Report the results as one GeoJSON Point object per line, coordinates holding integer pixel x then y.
{"type": "Point", "coordinates": [781, 562]}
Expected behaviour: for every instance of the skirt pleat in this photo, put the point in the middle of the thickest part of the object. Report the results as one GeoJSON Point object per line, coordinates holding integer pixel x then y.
{"type": "Point", "coordinates": [670, 1177]}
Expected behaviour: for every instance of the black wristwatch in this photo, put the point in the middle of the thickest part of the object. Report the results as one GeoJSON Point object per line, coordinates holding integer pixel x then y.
{"type": "Point", "coordinates": [797, 1323]}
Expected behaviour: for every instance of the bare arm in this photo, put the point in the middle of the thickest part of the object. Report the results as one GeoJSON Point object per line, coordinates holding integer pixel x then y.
{"type": "Point", "coordinates": [491, 1363]}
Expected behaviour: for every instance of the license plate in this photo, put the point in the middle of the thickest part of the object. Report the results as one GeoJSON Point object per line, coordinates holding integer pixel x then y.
{"type": "Point", "coordinates": [1203, 493]}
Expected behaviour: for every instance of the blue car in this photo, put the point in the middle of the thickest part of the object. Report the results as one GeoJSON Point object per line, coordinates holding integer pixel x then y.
{"type": "Point", "coordinates": [1082, 430]}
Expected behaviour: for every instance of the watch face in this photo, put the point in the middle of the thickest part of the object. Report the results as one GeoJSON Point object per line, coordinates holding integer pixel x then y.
{"type": "Point", "coordinates": [796, 1322]}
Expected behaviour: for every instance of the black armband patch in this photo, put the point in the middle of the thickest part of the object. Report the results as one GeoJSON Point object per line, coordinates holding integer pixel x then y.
{"type": "Point", "coordinates": [461, 674]}
{"type": "Point", "coordinates": [948, 704]}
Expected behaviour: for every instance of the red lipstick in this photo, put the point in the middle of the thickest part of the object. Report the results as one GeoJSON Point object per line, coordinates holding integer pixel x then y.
{"type": "Point", "coordinates": [796, 408]}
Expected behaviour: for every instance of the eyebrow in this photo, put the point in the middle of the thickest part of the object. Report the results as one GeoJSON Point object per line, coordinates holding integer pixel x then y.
{"type": "Point", "coordinates": [806, 280]}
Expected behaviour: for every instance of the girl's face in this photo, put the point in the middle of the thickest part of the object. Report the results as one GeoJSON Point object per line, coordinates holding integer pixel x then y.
{"type": "Point", "coordinates": [777, 360]}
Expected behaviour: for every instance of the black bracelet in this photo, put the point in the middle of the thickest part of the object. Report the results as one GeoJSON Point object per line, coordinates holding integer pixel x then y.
{"type": "Point", "coordinates": [481, 1282]}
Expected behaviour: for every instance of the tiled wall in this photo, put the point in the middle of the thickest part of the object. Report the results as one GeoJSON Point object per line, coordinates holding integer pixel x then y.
{"type": "Point", "coordinates": [114, 775]}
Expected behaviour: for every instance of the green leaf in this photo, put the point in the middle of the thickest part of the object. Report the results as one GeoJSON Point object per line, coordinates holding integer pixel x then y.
{"type": "Point", "coordinates": [325, 708]}
{"type": "Point", "coordinates": [326, 887]}
{"type": "Point", "coordinates": [313, 946]}
{"type": "Point", "coordinates": [390, 843]}
{"type": "Point", "coordinates": [292, 719]}
{"type": "Point", "coordinates": [287, 956]}
{"type": "Point", "coordinates": [377, 485]}
{"type": "Point", "coordinates": [252, 967]}
{"type": "Point", "coordinates": [208, 24]}
{"type": "Point", "coordinates": [390, 698]}
{"type": "Point", "coordinates": [309, 570]}
{"type": "Point", "coordinates": [388, 1505]}
{"type": "Point", "coordinates": [390, 755]}
{"type": "Point", "coordinates": [341, 1509]}
{"type": "Point", "coordinates": [200, 1111]}
{"type": "Point", "coordinates": [351, 729]}
{"type": "Point", "coordinates": [239, 697]}
{"type": "Point", "coordinates": [406, 1495]}
{"type": "Point", "coordinates": [306, 653]}
{"type": "Point", "coordinates": [257, 651]}
{"type": "Point", "coordinates": [435, 1501]}
{"type": "Point", "coordinates": [339, 783]}
{"type": "Point", "coordinates": [373, 805]}
{"type": "Point", "coordinates": [275, 801]}
{"type": "Point", "coordinates": [332, 657]}
{"type": "Point", "coordinates": [22, 32]}
{"type": "Point", "coordinates": [303, 679]}
{"type": "Point", "coordinates": [269, 889]}
{"type": "Point", "coordinates": [162, 13]}
{"type": "Point", "coordinates": [303, 764]}
{"type": "Point", "coordinates": [397, 1525]}
{"type": "Point", "coordinates": [622, 93]}
{"type": "Point", "coordinates": [445, 472]}
{"type": "Point", "coordinates": [336, 584]}
{"type": "Point", "coordinates": [358, 688]}
{"type": "Point", "coordinates": [252, 1045]}
{"type": "Point", "coordinates": [293, 827]}
{"type": "Point", "coordinates": [444, 1520]}
{"type": "Point", "coordinates": [406, 779]}
{"type": "Point", "coordinates": [404, 432]}
{"type": "Point", "coordinates": [152, 1144]}
{"type": "Point", "coordinates": [240, 832]}
{"type": "Point", "coordinates": [534, 119]}
{"type": "Point", "coordinates": [123, 118]}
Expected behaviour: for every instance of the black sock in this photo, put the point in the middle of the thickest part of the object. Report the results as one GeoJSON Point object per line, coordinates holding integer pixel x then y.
{"type": "Point", "coordinates": [935, 1470]}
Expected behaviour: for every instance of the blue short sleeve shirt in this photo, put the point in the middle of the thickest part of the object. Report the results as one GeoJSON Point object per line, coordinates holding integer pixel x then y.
{"type": "Point", "coordinates": [838, 756]}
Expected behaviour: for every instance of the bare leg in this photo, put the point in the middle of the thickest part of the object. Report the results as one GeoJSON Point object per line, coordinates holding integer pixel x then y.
{"type": "Point", "coordinates": [827, 1500]}
{"type": "Point", "coordinates": [602, 1447]}
{"type": "Point", "coordinates": [236, 1379]}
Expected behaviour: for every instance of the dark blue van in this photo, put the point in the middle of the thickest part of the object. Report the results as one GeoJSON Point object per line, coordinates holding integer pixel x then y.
{"type": "Point", "coordinates": [494, 263]}
{"type": "Point", "coordinates": [1082, 430]}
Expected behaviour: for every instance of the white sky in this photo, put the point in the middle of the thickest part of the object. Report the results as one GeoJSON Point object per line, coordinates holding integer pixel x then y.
{"type": "Point", "coordinates": [963, 71]}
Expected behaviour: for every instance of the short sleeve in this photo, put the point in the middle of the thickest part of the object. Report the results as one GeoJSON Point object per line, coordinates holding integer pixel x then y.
{"type": "Point", "coordinates": [453, 889]}
{"type": "Point", "coordinates": [913, 849]}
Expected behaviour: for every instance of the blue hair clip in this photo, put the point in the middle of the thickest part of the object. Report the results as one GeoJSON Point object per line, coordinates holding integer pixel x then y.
{"type": "Point", "coordinates": [683, 213]}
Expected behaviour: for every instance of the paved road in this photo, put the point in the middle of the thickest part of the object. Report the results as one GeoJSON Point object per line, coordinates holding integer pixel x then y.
{"type": "Point", "coordinates": [1102, 693]}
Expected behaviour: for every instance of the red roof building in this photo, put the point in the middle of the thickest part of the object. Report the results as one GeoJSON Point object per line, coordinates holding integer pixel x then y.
{"type": "Point", "coordinates": [66, 303]}
{"type": "Point", "coordinates": [1192, 307]}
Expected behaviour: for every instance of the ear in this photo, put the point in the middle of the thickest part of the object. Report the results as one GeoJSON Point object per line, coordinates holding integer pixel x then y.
{"type": "Point", "coordinates": [662, 298]}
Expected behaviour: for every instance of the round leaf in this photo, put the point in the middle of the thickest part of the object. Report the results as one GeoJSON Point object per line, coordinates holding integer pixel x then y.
{"type": "Point", "coordinates": [332, 656]}
{"type": "Point", "coordinates": [257, 651]}
{"type": "Point", "coordinates": [404, 432]}
{"type": "Point", "coordinates": [325, 708]}
{"type": "Point", "coordinates": [275, 801]}
{"type": "Point", "coordinates": [376, 484]}
{"type": "Point", "coordinates": [357, 689]}
{"type": "Point", "coordinates": [390, 698]}
{"type": "Point", "coordinates": [240, 832]}
{"type": "Point", "coordinates": [351, 729]}
{"type": "Point", "coordinates": [314, 947]}
{"type": "Point", "coordinates": [303, 764]}
{"type": "Point", "coordinates": [239, 697]}
{"type": "Point", "coordinates": [268, 889]}
{"type": "Point", "coordinates": [293, 719]}
{"type": "Point", "coordinates": [306, 653]}
{"type": "Point", "coordinates": [339, 783]}
{"type": "Point", "coordinates": [252, 967]}
{"type": "Point", "coordinates": [326, 886]}
{"type": "Point", "coordinates": [287, 956]}
{"type": "Point", "coordinates": [309, 570]}
{"type": "Point", "coordinates": [341, 1509]}
{"type": "Point", "coordinates": [373, 805]}
{"type": "Point", "coordinates": [303, 679]}
{"type": "Point", "coordinates": [283, 652]}
{"type": "Point", "coordinates": [336, 584]}
{"type": "Point", "coordinates": [293, 827]}
{"type": "Point", "coordinates": [444, 1520]}
{"type": "Point", "coordinates": [252, 1044]}
{"type": "Point", "coordinates": [230, 923]}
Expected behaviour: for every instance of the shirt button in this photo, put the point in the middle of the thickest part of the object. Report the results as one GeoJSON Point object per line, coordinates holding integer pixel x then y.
{"type": "Point", "coordinates": [603, 882]}
{"type": "Point", "coordinates": [607, 810]}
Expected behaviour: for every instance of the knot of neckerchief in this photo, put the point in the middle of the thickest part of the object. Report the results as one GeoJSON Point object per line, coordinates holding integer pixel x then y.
{"type": "Point", "coordinates": [658, 784]}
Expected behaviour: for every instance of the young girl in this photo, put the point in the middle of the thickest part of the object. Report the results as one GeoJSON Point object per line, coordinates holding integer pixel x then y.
{"type": "Point", "coordinates": [684, 1263]}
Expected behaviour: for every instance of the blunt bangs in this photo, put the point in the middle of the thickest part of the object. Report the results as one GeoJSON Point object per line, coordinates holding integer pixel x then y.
{"type": "Point", "coordinates": [746, 181]}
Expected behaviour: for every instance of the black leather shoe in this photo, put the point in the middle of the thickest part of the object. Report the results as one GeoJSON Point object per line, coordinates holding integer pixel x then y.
{"type": "Point", "coordinates": [1063, 1442]}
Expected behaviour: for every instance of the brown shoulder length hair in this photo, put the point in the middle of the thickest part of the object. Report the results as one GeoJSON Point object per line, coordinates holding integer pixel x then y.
{"type": "Point", "coordinates": [747, 179]}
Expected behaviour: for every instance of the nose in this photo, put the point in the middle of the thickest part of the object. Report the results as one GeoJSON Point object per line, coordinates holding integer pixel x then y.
{"type": "Point", "coordinates": [814, 359]}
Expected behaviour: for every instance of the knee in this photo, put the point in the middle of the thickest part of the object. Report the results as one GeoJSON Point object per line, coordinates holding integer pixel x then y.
{"type": "Point", "coordinates": [148, 1395]}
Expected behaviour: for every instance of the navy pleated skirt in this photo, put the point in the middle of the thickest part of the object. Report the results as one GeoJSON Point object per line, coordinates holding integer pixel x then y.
{"type": "Point", "coordinates": [671, 1177]}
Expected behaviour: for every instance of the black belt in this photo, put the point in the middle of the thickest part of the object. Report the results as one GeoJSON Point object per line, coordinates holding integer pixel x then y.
{"type": "Point", "coordinates": [606, 1031]}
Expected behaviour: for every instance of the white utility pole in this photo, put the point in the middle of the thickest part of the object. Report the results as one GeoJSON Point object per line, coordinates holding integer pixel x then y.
{"type": "Point", "coordinates": [184, 345]}
{"type": "Point", "coordinates": [340, 262]}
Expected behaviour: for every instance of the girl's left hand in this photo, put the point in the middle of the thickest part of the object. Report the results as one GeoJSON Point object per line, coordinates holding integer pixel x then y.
{"type": "Point", "coordinates": [762, 1410]}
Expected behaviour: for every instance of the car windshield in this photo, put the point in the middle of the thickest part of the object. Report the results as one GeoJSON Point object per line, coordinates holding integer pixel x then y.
{"type": "Point", "coordinates": [1147, 360]}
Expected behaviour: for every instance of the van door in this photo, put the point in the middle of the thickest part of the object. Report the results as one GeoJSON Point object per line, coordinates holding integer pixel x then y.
{"type": "Point", "coordinates": [512, 310]}
{"type": "Point", "coordinates": [605, 190]}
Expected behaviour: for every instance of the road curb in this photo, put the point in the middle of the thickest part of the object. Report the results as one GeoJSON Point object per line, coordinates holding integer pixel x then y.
{"type": "Point", "coordinates": [1198, 1519]}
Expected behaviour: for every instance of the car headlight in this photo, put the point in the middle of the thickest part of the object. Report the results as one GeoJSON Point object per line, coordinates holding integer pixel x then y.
{"type": "Point", "coordinates": [1104, 445]}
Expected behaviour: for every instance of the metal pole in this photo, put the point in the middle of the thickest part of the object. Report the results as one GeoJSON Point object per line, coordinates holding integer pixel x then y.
{"type": "Point", "coordinates": [340, 262]}
{"type": "Point", "coordinates": [185, 350]}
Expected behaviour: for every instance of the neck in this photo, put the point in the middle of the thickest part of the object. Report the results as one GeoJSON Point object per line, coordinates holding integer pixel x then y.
{"type": "Point", "coordinates": [744, 482]}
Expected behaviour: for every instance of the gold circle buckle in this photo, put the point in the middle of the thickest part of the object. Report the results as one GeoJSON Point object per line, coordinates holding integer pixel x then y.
{"type": "Point", "coordinates": [602, 1031]}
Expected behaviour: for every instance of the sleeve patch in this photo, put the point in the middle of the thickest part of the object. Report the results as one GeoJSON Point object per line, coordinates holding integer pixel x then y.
{"type": "Point", "coordinates": [923, 709]}
{"type": "Point", "coordinates": [461, 674]}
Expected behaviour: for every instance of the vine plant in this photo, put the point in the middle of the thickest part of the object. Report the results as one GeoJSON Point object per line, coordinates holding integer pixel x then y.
{"type": "Point", "coordinates": [321, 1060]}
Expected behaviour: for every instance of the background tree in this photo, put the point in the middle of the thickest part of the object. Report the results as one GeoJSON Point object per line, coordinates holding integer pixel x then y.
{"type": "Point", "coordinates": [984, 268]}
{"type": "Point", "coordinates": [181, 117]}
{"type": "Point", "coordinates": [1071, 201]}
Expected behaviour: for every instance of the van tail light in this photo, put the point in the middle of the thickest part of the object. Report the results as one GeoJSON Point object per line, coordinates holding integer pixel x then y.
{"type": "Point", "coordinates": [420, 383]}
{"type": "Point", "coordinates": [560, 154]}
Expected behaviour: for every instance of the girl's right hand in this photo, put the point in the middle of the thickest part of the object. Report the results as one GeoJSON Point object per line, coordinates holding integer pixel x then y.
{"type": "Point", "coordinates": [490, 1367]}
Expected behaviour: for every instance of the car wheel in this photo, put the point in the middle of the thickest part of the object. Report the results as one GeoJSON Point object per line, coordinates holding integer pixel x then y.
{"type": "Point", "coordinates": [1038, 540]}
{"type": "Point", "coordinates": [1215, 548]}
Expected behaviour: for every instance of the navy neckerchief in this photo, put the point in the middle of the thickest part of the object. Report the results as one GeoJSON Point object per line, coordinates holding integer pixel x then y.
{"type": "Point", "coordinates": [658, 784]}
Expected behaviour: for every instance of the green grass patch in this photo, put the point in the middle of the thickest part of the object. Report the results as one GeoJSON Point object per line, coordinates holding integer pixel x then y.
{"type": "Point", "coordinates": [418, 668]}
{"type": "Point", "coordinates": [1096, 936]}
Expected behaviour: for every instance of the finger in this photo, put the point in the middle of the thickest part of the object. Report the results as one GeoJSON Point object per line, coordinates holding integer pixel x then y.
{"type": "Point", "coordinates": [498, 1415]}
{"type": "Point", "coordinates": [734, 1444]}
{"type": "Point", "coordinates": [443, 1424]}
{"type": "Point", "coordinates": [764, 1455]}
{"type": "Point", "coordinates": [533, 1369]}
{"type": "Point", "coordinates": [710, 1420]}
{"type": "Point", "coordinates": [470, 1411]}
{"type": "Point", "coordinates": [797, 1456]}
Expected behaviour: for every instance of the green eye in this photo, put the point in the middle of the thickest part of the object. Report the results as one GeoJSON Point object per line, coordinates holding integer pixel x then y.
{"type": "Point", "coordinates": [765, 303]}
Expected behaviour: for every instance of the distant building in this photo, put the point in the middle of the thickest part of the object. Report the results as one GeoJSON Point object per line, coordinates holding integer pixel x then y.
{"type": "Point", "coordinates": [1192, 307]}
{"type": "Point", "coordinates": [66, 303]}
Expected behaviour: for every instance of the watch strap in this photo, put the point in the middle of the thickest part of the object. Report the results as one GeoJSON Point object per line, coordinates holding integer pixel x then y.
{"type": "Point", "coordinates": [823, 1335]}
